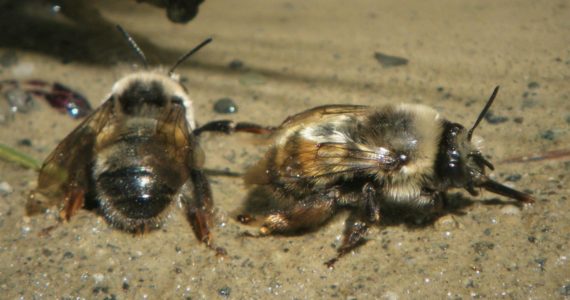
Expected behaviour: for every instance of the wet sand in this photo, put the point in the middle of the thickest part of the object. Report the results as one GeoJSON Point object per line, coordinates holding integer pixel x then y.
{"type": "Point", "coordinates": [297, 55]}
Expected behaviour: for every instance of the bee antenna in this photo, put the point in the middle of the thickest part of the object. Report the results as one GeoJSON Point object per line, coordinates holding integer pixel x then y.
{"type": "Point", "coordinates": [133, 45]}
{"type": "Point", "coordinates": [483, 112]}
{"type": "Point", "coordinates": [188, 54]}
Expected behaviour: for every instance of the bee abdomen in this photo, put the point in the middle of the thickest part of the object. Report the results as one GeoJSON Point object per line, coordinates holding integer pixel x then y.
{"type": "Point", "coordinates": [133, 192]}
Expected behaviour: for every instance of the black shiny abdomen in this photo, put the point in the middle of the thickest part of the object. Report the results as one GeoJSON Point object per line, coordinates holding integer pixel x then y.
{"type": "Point", "coordinates": [135, 192]}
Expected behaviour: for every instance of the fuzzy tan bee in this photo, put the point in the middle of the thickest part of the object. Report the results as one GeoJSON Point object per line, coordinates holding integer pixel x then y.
{"type": "Point", "coordinates": [133, 157]}
{"type": "Point", "coordinates": [363, 158]}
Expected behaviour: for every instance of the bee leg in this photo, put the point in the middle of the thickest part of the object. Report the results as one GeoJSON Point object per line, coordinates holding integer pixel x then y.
{"type": "Point", "coordinates": [356, 226]}
{"type": "Point", "coordinates": [74, 200]}
{"type": "Point", "coordinates": [228, 127]}
{"type": "Point", "coordinates": [353, 237]}
{"type": "Point", "coordinates": [199, 209]}
{"type": "Point", "coordinates": [302, 215]}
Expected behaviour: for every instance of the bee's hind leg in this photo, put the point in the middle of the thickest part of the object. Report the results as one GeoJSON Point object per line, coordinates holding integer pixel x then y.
{"type": "Point", "coordinates": [199, 209]}
{"type": "Point", "coordinates": [357, 224]}
{"type": "Point", "coordinates": [306, 214]}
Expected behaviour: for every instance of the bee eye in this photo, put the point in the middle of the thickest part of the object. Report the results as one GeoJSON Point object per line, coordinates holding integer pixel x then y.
{"type": "Point", "coordinates": [454, 154]}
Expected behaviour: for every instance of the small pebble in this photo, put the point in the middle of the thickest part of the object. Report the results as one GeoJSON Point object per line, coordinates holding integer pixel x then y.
{"type": "Point", "coordinates": [447, 222]}
{"type": "Point", "coordinates": [225, 291]}
{"type": "Point", "coordinates": [533, 85]}
{"type": "Point", "coordinates": [548, 135]}
{"type": "Point", "coordinates": [494, 119]}
{"type": "Point", "coordinates": [481, 248]}
{"type": "Point", "coordinates": [19, 100]}
{"type": "Point", "coordinates": [389, 60]}
{"type": "Point", "coordinates": [439, 89]}
{"type": "Point", "coordinates": [518, 120]}
{"type": "Point", "coordinates": [389, 295]}
{"type": "Point", "coordinates": [25, 142]}
{"type": "Point", "coordinates": [565, 290]}
{"type": "Point", "coordinates": [225, 106]}
{"type": "Point", "coordinates": [513, 177]}
{"type": "Point", "coordinates": [541, 262]}
{"type": "Point", "coordinates": [236, 64]}
{"type": "Point", "coordinates": [100, 289]}
{"type": "Point", "coordinates": [532, 239]}
{"type": "Point", "coordinates": [510, 210]}
{"type": "Point", "coordinates": [5, 188]}
{"type": "Point", "coordinates": [568, 119]}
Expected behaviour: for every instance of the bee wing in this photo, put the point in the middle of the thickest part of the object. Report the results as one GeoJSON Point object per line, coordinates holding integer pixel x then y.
{"type": "Point", "coordinates": [174, 128]}
{"type": "Point", "coordinates": [64, 173]}
{"type": "Point", "coordinates": [320, 112]}
{"type": "Point", "coordinates": [321, 160]}
{"type": "Point", "coordinates": [330, 159]}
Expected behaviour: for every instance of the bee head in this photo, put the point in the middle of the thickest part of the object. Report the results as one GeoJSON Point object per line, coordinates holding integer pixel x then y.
{"type": "Point", "coordinates": [147, 92]}
{"type": "Point", "coordinates": [460, 164]}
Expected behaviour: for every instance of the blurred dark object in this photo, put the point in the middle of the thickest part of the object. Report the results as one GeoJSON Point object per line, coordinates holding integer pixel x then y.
{"type": "Point", "coordinates": [177, 11]}
{"type": "Point", "coordinates": [73, 31]}
{"type": "Point", "coordinates": [20, 94]}
{"type": "Point", "coordinates": [388, 61]}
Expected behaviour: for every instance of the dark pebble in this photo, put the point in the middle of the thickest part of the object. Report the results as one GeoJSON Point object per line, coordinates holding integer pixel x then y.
{"type": "Point", "coordinates": [481, 248]}
{"type": "Point", "coordinates": [389, 60]}
{"type": "Point", "coordinates": [541, 262]}
{"type": "Point", "coordinates": [236, 64]}
{"type": "Point", "coordinates": [225, 106]}
{"type": "Point", "coordinates": [568, 119]}
{"type": "Point", "coordinates": [68, 255]}
{"type": "Point", "coordinates": [494, 119]}
{"type": "Point", "coordinates": [126, 286]}
{"type": "Point", "coordinates": [487, 231]}
{"type": "Point", "coordinates": [532, 239]}
{"type": "Point", "coordinates": [548, 135]}
{"type": "Point", "coordinates": [47, 252]}
{"type": "Point", "coordinates": [100, 289]}
{"type": "Point", "coordinates": [25, 142]}
{"type": "Point", "coordinates": [225, 291]}
{"type": "Point", "coordinates": [533, 85]}
{"type": "Point", "coordinates": [110, 297]}
{"type": "Point", "coordinates": [514, 177]}
{"type": "Point", "coordinates": [439, 89]}
{"type": "Point", "coordinates": [518, 120]}
{"type": "Point", "coordinates": [565, 290]}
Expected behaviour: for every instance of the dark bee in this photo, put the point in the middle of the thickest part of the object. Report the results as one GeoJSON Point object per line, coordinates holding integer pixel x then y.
{"type": "Point", "coordinates": [363, 158]}
{"type": "Point", "coordinates": [133, 156]}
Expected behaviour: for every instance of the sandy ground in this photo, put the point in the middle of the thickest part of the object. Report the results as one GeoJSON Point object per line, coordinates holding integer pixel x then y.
{"type": "Point", "coordinates": [296, 55]}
